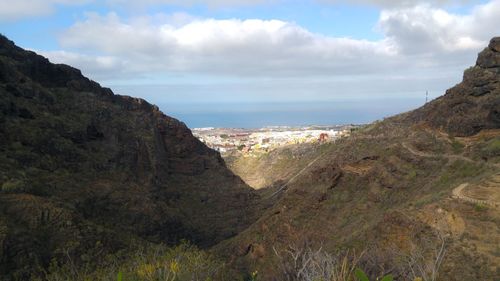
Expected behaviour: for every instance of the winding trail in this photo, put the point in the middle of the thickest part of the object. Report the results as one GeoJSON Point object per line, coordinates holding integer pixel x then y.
{"type": "Point", "coordinates": [458, 193]}
{"type": "Point", "coordinates": [429, 155]}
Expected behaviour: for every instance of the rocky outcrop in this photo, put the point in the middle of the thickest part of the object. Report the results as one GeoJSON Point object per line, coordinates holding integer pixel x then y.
{"type": "Point", "coordinates": [84, 172]}
{"type": "Point", "coordinates": [472, 105]}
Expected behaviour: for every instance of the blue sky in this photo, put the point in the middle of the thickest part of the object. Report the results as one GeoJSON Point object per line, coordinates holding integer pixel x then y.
{"type": "Point", "coordinates": [335, 20]}
{"type": "Point", "coordinates": [247, 63]}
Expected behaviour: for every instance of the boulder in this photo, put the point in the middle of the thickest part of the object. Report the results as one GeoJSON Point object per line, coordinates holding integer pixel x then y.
{"type": "Point", "coordinates": [495, 44]}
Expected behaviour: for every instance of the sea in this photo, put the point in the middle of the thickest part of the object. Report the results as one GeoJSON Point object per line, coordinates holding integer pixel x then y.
{"type": "Point", "coordinates": [262, 114]}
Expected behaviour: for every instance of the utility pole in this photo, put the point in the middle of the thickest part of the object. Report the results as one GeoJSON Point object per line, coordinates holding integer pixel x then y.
{"type": "Point", "coordinates": [426, 96]}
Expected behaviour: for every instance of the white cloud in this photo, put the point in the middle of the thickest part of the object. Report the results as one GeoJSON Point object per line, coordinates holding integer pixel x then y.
{"type": "Point", "coordinates": [423, 43]}
{"type": "Point", "coordinates": [230, 47]}
{"type": "Point", "coordinates": [424, 29]}
{"type": "Point", "coordinates": [416, 39]}
{"type": "Point", "coordinates": [14, 10]}
{"type": "Point", "coordinates": [100, 66]}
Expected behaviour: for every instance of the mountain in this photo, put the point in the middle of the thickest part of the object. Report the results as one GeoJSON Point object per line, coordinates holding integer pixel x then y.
{"type": "Point", "coordinates": [84, 172]}
{"type": "Point", "coordinates": [397, 190]}
{"type": "Point", "coordinates": [470, 106]}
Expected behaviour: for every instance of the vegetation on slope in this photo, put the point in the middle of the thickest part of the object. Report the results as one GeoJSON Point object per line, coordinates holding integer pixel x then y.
{"type": "Point", "coordinates": [276, 167]}
{"type": "Point", "coordinates": [390, 186]}
{"type": "Point", "coordinates": [84, 172]}
{"type": "Point", "coordinates": [149, 262]}
{"type": "Point", "coordinates": [86, 176]}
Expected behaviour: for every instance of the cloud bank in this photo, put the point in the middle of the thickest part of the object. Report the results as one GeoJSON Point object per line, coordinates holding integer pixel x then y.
{"type": "Point", "coordinates": [229, 47]}
{"type": "Point", "coordinates": [415, 39]}
{"type": "Point", "coordinates": [183, 57]}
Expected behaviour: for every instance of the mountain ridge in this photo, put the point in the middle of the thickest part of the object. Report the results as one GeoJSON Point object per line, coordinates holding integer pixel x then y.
{"type": "Point", "coordinates": [85, 173]}
{"type": "Point", "coordinates": [467, 108]}
{"type": "Point", "coordinates": [83, 170]}
{"type": "Point", "coordinates": [389, 189]}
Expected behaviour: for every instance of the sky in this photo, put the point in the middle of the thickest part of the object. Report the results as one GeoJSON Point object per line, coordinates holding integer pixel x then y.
{"type": "Point", "coordinates": [252, 63]}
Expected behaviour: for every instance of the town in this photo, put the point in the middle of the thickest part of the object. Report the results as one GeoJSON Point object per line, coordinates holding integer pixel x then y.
{"type": "Point", "coordinates": [251, 141]}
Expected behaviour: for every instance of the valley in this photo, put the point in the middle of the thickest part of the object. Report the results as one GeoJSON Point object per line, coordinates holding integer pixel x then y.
{"type": "Point", "coordinates": [100, 186]}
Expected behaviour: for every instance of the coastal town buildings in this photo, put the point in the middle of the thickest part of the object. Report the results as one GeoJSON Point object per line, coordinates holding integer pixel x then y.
{"type": "Point", "coordinates": [248, 141]}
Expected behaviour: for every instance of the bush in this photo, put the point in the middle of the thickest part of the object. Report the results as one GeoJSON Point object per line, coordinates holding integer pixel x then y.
{"type": "Point", "coordinates": [14, 186]}
{"type": "Point", "coordinates": [411, 175]}
{"type": "Point", "coordinates": [457, 147]}
{"type": "Point", "coordinates": [303, 263]}
{"type": "Point", "coordinates": [480, 207]}
{"type": "Point", "coordinates": [361, 276]}
{"type": "Point", "coordinates": [184, 262]}
{"type": "Point", "coordinates": [492, 148]}
{"type": "Point", "coordinates": [459, 170]}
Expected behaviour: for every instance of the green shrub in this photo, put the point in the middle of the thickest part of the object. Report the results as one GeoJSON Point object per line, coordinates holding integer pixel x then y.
{"type": "Point", "coordinates": [492, 148]}
{"type": "Point", "coordinates": [457, 147]}
{"type": "Point", "coordinates": [184, 262]}
{"type": "Point", "coordinates": [411, 175]}
{"type": "Point", "coordinates": [480, 207]}
{"type": "Point", "coordinates": [361, 276]}
{"type": "Point", "coordinates": [14, 186]}
{"type": "Point", "coordinates": [459, 170]}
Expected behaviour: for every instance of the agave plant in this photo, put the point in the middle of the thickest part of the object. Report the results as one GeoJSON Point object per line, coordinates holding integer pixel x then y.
{"type": "Point", "coordinates": [361, 276]}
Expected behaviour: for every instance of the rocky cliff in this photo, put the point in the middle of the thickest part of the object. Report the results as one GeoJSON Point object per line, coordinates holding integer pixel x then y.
{"type": "Point", "coordinates": [84, 171]}
{"type": "Point", "coordinates": [472, 105]}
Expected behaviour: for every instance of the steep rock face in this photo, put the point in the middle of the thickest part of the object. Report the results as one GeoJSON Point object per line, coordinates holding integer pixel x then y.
{"type": "Point", "coordinates": [472, 105]}
{"type": "Point", "coordinates": [84, 172]}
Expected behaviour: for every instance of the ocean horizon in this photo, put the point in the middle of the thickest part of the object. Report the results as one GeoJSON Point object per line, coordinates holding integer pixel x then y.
{"type": "Point", "coordinates": [253, 115]}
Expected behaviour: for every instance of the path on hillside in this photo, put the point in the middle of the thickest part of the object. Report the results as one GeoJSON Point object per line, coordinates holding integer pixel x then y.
{"type": "Point", "coordinates": [458, 193]}
{"type": "Point", "coordinates": [282, 187]}
{"type": "Point", "coordinates": [429, 155]}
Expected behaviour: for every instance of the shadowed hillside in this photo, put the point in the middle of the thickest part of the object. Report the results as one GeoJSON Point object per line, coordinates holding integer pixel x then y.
{"type": "Point", "coordinates": [84, 172]}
